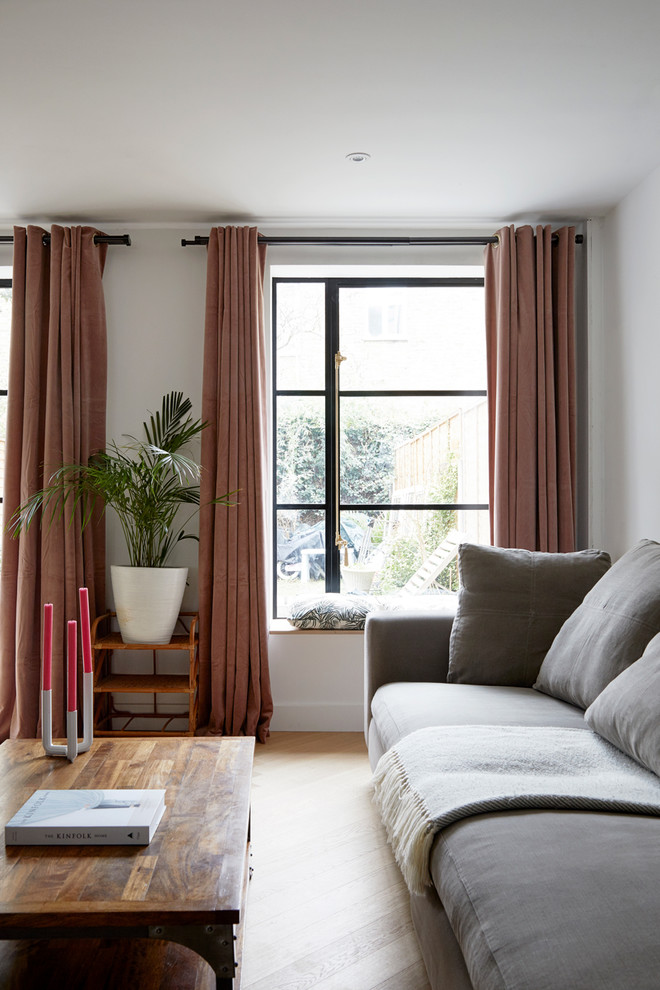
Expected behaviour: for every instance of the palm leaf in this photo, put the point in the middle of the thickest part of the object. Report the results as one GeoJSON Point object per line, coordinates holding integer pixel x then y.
{"type": "Point", "coordinates": [145, 481]}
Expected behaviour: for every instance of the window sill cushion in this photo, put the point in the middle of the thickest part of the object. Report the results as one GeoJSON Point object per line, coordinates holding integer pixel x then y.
{"type": "Point", "coordinates": [332, 611]}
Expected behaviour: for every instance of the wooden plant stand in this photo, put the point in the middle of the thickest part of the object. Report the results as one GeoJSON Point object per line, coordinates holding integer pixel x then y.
{"type": "Point", "coordinates": [105, 642]}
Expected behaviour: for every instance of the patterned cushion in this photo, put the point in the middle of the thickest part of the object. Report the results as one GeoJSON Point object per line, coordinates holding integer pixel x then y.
{"type": "Point", "coordinates": [332, 611]}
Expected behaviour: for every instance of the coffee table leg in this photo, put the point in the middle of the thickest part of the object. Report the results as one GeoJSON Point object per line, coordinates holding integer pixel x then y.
{"type": "Point", "coordinates": [214, 943]}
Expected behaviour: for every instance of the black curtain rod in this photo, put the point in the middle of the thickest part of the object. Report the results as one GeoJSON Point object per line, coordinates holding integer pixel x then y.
{"type": "Point", "coordinates": [378, 241]}
{"type": "Point", "coordinates": [98, 239]}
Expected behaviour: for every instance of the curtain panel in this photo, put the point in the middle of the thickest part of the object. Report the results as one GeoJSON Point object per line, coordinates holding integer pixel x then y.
{"type": "Point", "coordinates": [235, 695]}
{"type": "Point", "coordinates": [56, 414]}
{"type": "Point", "coordinates": [530, 337]}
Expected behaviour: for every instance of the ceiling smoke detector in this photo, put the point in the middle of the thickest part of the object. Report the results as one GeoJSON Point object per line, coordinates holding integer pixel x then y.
{"type": "Point", "coordinates": [358, 156]}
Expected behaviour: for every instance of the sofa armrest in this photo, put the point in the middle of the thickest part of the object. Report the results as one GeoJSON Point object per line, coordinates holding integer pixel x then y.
{"type": "Point", "coordinates": [404, 646]}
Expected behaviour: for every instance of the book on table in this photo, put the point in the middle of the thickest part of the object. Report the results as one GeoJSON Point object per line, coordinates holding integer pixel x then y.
{"type": "Point", "coordinates": [87, 817]}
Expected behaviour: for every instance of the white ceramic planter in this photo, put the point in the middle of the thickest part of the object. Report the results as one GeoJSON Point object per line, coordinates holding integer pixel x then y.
{"type": "Point", "coordinates": [147, 601]}
{"type": "Point", "coordinates": [358, 578]}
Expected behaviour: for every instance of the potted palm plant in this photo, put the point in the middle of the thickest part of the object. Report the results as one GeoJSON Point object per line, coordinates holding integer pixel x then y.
{"type": "Point", "coordinates": [146, 481]}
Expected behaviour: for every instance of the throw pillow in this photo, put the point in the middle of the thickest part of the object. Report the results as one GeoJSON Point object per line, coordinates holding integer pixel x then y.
{"type": "Point", "coordinates": [332, 611]}
{"type": "Point", "coordinates": [626, 712]}
{"type": "Point", "coordinates": [609, 630]}
{"type": "Point", "coordinates": [511, 605]}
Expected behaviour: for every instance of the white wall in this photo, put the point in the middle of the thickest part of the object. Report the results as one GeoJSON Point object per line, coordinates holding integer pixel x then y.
{"type": "Point", "coordinates": [154, 293]}
{"type": "Point", "coordinates": [631, 359]}
{"type": "Point", "coordinates": [317, 680]}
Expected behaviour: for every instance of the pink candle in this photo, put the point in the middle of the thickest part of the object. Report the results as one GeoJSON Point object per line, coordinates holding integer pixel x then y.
{"type": "Point", "coordinates": [72, 657]}
{"type": "Point", "coordinates": [48, 648]}
{"type": "Point", "coordinates": [85, 630]}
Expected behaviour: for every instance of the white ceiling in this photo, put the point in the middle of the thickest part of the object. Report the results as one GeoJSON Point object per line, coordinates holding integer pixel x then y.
{"type": "Point", "coordinates": [198, 110]}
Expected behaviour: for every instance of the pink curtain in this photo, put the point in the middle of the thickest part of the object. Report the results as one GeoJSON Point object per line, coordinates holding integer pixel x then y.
{"type": "Point", "coordinates": [531, 388]}
{"type": "Point", "coordinates": [56, 415]}
{"type": "Point", "coordinates": [235, 697]}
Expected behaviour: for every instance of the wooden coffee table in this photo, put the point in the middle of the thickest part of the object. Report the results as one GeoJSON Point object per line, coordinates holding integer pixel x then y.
{"type": "Point", "coordinates": [188, 886]}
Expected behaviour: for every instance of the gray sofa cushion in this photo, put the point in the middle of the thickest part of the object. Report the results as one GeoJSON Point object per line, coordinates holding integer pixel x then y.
{"type": "Point", "coordinates": [512, 604]}
{"type": "Point", "coordinates": [401, 708]}
{"type": "Point", "coordinates": [608, 631]}
{"type": "Point", "coordinates": [559, 900]}
{"type": "Point", "coordinates": [627, 712]}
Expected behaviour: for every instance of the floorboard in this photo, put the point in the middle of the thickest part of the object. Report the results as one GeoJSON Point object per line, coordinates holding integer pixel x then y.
{"type": "Point", "coordinates": [327, 906]}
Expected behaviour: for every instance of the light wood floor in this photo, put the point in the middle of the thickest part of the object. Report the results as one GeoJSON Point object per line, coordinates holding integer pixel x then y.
{"type": "Point", "coordinates": [327, 907]}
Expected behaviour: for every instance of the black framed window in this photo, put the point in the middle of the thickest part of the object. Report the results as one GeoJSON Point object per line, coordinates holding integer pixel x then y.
{"type": "Point", "coordinates": [380, 433]}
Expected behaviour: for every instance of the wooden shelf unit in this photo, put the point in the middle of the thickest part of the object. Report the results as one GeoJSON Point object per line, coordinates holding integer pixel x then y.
{"type": "Point", "coordinates": [105, 642]}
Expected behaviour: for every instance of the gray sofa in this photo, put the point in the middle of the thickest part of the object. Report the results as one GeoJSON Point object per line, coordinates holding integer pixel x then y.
{"type": "Point", "coordinates": [533, 898]}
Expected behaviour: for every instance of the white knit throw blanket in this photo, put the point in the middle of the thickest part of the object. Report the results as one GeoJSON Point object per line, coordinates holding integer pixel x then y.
{"type": "Point", "coordinates": [437, 776]}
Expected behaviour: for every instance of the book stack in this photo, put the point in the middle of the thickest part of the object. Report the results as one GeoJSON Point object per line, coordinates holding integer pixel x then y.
{"type": "Point", "coordinates": [87, 817]}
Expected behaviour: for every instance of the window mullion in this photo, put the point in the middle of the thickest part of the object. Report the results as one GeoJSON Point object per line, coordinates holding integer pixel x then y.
{"type": "Point", "coordinates": [274, 443]}
{"type": "Point", "coordinates": [332, 557]}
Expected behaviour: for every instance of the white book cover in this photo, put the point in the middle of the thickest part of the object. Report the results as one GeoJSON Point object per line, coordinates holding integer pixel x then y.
{"type": "Point", "coordinates": [87, 817]}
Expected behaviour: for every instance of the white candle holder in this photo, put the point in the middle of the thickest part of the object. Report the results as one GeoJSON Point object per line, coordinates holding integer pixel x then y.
{"type": "Point", "coordinates": [73, 744]}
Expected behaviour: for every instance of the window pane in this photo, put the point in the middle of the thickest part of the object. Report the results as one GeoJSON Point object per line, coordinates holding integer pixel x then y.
{"type": "Point", "coordinates": [5, 324]}
{"type": "Point", "coordinates": [300, 449]}
{"type": "Point", "coordinates": [300, 321]}
{"type": "Point", "coordinates": [410, 551]}
{"type": "Point", "coordinates": [5, 327]}
{"type": "Point", "coordinates": [300, 556]}
{"type": "Point", "coordinates": [430, 337]}
{"type": "Point", "coordinates": [3, 439]}
{"type": "Point", "coordinates": [404, 449]}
